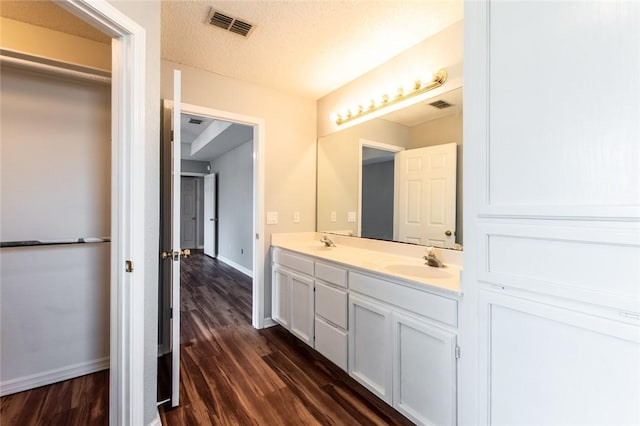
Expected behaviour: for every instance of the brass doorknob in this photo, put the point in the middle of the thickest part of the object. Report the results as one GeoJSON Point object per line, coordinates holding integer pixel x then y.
{"type": "Point", "coordinates": [447, 233]}
{"type": "Point", "coordinates": [185, 253]}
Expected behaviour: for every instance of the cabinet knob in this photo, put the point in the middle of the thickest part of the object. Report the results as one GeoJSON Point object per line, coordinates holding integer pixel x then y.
{"type": "Point", "coordinates": [447, 233]}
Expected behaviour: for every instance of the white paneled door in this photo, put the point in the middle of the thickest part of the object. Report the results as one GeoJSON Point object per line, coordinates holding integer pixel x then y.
{"type": "Point", "coordinates": [188, 212]}
{"type": "Point", "coordinates": [426, 207]}
{"type": "Point", "coordinates": [175, 241]}
{"type": "Point", "coordinates": [210, 218]}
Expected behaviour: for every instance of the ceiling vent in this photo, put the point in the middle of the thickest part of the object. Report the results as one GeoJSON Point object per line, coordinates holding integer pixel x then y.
{"type": "Point", "coordinates": [229, 23]}
{"type": "Point", "coordinates": [440, 104]}
{"type": "Point", "coordinates": [195, 121]}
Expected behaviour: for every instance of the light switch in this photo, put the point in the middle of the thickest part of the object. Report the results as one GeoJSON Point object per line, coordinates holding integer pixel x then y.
{"type": "Point", "coordinates": [334, 216]}
{"type": "Point", "coordinates": [351, 217]}
{"type": "Point", "coordinates": [296, 217]}
{"type": "Point", "coordinates": [272, 218]}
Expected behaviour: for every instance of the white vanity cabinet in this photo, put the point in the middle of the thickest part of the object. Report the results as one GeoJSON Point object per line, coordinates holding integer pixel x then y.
{"type": "Point", "coordinates": [396, 337]}
{"type": "Point", "coordinates": [331, 316]}
{"type": "Point", "coordinates": [293, 294]}
{"type": "Point", "coordinates": [401, 349]}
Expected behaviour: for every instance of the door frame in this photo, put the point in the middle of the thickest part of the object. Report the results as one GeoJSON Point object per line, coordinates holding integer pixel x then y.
{"type": "Point", "coordinates": [383, 147]}
{"type": "Point", "coordinates": [258, 296]}
{"type": "Point", "coordinates": [128, 135]}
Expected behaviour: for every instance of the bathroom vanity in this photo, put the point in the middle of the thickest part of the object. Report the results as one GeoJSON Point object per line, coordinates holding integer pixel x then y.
{"type": "Point", "coordinates": [378, 312]}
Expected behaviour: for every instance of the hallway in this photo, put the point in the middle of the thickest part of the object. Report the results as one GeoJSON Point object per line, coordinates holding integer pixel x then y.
{"type": "Point", "coordinates": [234, 374]}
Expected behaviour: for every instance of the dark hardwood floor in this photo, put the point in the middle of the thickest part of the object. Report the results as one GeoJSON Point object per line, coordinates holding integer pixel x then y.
{"type": "Point", "coordinates": [80, 401]}
{"type": "Point", "coordinates": [231, 373]}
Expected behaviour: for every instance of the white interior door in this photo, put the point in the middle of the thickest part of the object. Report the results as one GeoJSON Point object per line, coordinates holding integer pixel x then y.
{"type": "Point", "coordinates": [209, 215]}
{"type": "Point", "coordinates": [427, 195]}
{"type": "Point", "coordinates": [175, 240]}
{"type": "Point", "coordinates": [188, 212]}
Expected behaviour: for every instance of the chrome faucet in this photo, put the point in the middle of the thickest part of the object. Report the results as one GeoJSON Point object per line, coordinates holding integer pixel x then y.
{"type": "Point", "coordinates": [431, 259]}
{"type": "Point", "coordinates": [327, 241]}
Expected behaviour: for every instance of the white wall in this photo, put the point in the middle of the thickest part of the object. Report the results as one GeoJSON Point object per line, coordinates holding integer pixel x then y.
{"type": "Point", "coordinates": [234, 172]}
{"type": "Point", "coordinates": [55, 184]}
{"type": "Point", "coordinates": [147, 14]}
{"type": "Point", "coordinates": [290, 144]}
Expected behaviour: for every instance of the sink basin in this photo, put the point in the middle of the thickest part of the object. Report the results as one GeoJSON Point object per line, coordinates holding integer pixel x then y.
{"type": "Point", "coordinates": [418, 271]}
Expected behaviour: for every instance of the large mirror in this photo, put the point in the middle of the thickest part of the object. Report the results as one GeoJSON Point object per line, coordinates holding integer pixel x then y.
{"type": "Point", "coordinates": [397, 177]}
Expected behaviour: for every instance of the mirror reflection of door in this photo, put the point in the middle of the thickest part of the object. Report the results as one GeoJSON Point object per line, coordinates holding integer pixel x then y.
{"type": "Point", "coordinates": [426, 188]}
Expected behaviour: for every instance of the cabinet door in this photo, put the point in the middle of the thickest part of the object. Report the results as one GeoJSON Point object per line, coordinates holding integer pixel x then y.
{"type": "Point", "coordinates": [302, 307]}
{"type": "Point", "coordinates": [424, 371]}
{"type": "Point", "coordinates": [281, 296]}
{"type": "Point", "coordinates": [544, 364]}
{"type": "Point", "coordinates": [370, 345]}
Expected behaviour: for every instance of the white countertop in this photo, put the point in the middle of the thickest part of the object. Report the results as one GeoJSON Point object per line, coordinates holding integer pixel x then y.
{"type": "Point", "coordinates": [397, 264]}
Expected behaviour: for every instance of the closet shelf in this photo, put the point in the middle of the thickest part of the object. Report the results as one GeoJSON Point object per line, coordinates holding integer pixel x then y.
{"type": "Point", "coordinates": [32, 243]}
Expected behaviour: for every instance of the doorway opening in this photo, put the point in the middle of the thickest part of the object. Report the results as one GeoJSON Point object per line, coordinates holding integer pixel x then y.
{"type": "Point", "coordinates": [220, 209]}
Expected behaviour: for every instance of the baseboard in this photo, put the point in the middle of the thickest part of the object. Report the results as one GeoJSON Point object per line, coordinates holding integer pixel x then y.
{"type": "Point", "coordinates": [234, 265]}
{"type": "Point", "coordinates": [156, 421]}
{"type": "Point", "coordinates": [269, 322]}
{"type": "Point", "coordinates": [52, 376]}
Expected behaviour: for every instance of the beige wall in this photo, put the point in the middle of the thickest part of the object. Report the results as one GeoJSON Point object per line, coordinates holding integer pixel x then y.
{"type": "Point", "coordinates": [290, 143]}
{"type": "Point", "coordinates": [437, 132]}
{"type": "Point", "coordinates": [25, 38]}
{"type": "Point", "coordinates": [443, 50]}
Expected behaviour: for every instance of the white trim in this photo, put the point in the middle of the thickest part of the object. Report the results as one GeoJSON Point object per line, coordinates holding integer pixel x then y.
{"type": "Point", "coordinates": [269, 322]}
{"type": "Point", "coordinates": [52, 376]}
{"type": "Point", "coordinates": [193, 174]}
{"type": "Point", "coordinates": [236, 266]}
{"type": "Point", "coordinates": [384, 147]}
{"type": "Point", "coordinates": [126, 398]}
{"type": "Point", "coordinates": [258, 303]}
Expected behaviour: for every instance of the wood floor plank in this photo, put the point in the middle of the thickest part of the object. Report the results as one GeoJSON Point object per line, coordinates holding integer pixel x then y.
{"type": "Point", "coordinates": [234, 374]}
{"type": "Point", "coordinates": [231, 373]}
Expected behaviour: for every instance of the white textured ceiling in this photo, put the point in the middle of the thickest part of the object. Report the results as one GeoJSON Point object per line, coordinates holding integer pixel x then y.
{"type": "Point", "coordinates": [309, 48]}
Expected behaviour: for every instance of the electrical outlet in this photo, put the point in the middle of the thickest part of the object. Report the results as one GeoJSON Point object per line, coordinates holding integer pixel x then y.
{"type": "Point", "coordinates": [296, 217]}
{"type": "Point", "coordinates": [334, 217]}
{"type": "Point", "coordinates": [272, 218]}
{"type": "Point", "coordinates": [351, 217]}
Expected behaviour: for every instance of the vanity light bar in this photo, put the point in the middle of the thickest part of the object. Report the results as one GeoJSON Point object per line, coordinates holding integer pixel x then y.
{"type": "Point", "coordinates": [386, 100]}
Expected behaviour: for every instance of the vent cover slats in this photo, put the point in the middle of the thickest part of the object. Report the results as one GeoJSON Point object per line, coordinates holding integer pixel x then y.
{"type": "Point", "coordinates": [440, 104]}
{"type": "Point", "coordinates": [229, 23]}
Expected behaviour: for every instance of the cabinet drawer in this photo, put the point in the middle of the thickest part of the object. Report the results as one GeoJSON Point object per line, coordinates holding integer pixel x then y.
{"type": "Point", "coordinates": [293, 261]}
{"type": "Point", "coordinates": [332, 343]}
{"type": "Point", "coordinates": [331, 304]}
{"type": "Point", "coordinates": [331, 274]}
{"type": "Point", "coordinates": [427, 304]}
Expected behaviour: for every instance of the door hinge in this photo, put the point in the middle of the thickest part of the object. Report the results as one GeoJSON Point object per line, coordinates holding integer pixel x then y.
{"type": "Point", "coordinates": [257, 236]}
{"type": "Point", "coordinates": [172, 139]}
{"type": "Point", "coordinates": [457, 352]}
{"type": "Point", "coordinates": [128, 266]}
{"type": "Point", "coordinates": [170, 313]}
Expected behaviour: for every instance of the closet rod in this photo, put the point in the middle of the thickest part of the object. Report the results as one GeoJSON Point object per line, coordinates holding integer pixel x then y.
{"type": "Point", "coordinates": [32, 243]}
{"type": "Point", "coordinates": [37, 63]}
